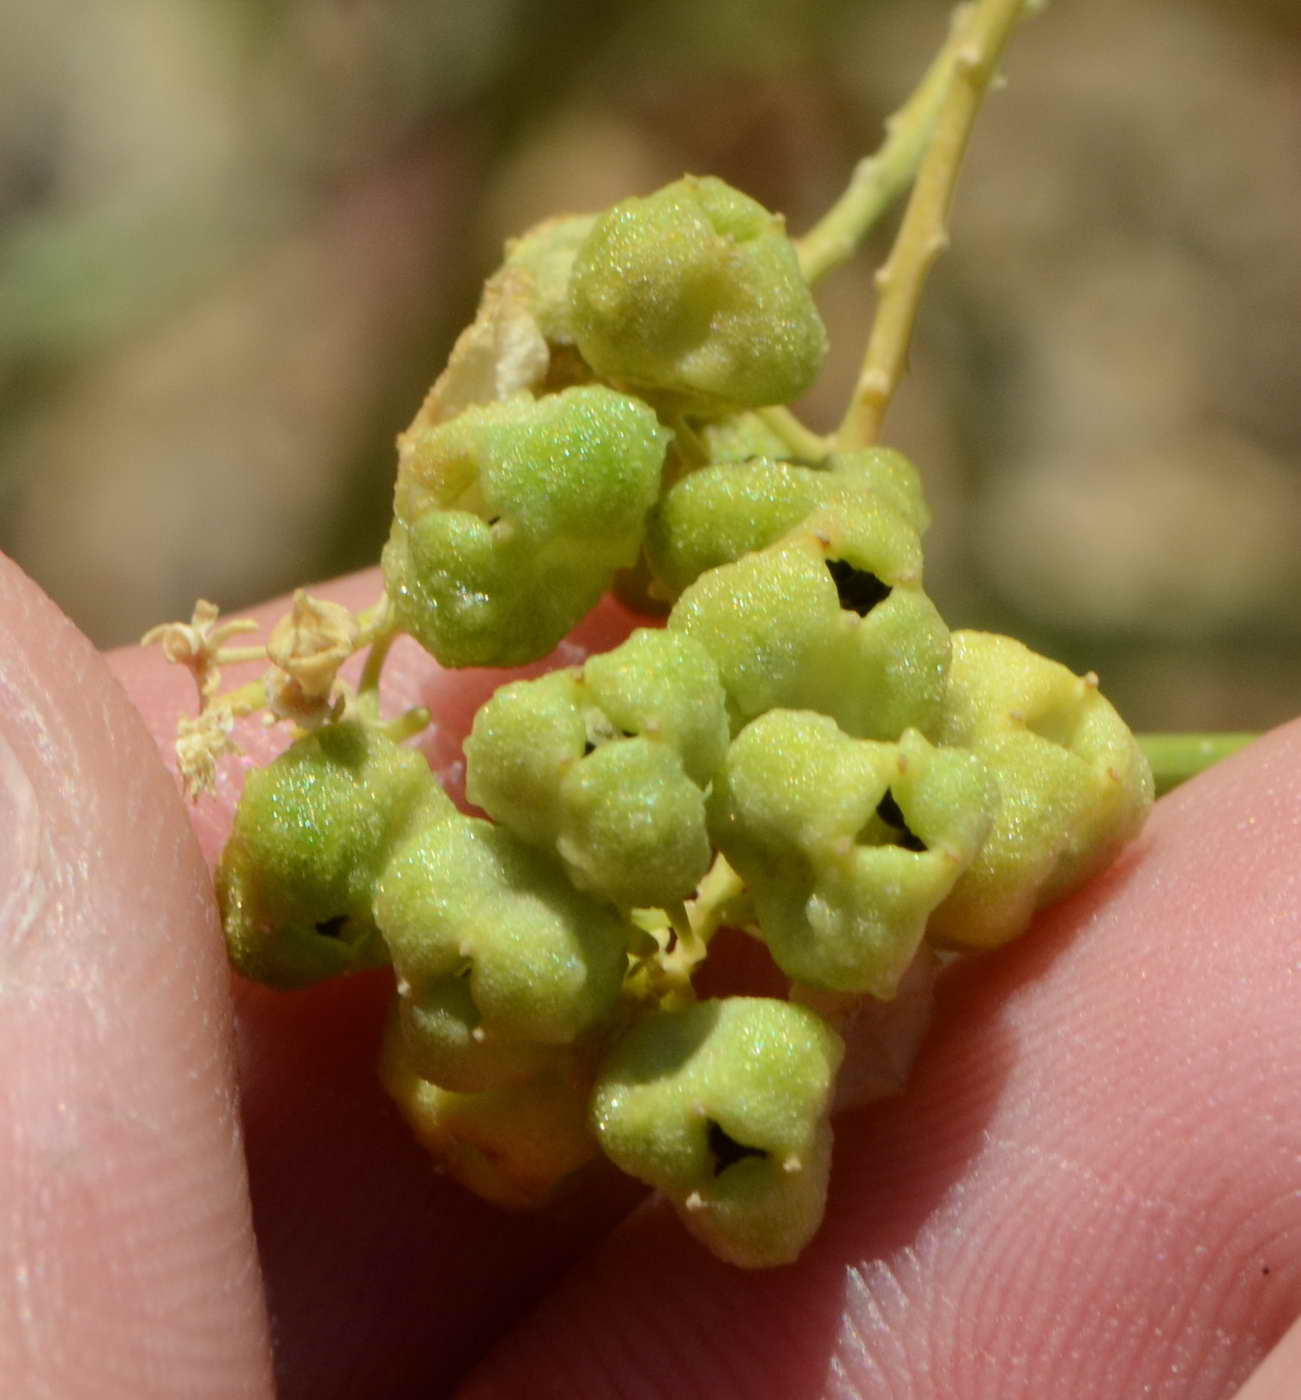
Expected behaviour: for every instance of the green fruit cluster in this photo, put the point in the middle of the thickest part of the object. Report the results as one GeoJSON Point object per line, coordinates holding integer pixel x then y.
{"type": "Point", "coordinates": [803, 731]}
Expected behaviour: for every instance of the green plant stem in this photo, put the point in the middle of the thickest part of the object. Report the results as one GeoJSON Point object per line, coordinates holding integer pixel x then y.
{"type": "Point", "coordinates": [1177, 757]}
{"type": "Point", "coordinates": [375, 658]}
{"type": "Point", "coordinates": [807, 445]}
{"type": "Point", "coordinates": [407, 725]}
{"type": "Point", "coordinates": [670, 970]}
{"type": "Point", "coordinates": [922, 237]}
{"type": "Point", "coordinates": [879, 179]}
{"type": "Point", "coordinates": [247, 700]}
{"type": "Point", "coordinates": [235, 656]}
{"type": "Point", "coordinates": [690, 453]}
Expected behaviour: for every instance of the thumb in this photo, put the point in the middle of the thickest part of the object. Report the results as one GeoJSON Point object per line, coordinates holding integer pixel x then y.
{"type": "Point", "coordinates": [128, 1261]}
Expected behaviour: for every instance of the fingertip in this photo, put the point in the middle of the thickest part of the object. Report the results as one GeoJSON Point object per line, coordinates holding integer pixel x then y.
{"type": "Point", "coordinates": [1276, 1377]}
{"type": "Point", "coordinates": [130, 1254]}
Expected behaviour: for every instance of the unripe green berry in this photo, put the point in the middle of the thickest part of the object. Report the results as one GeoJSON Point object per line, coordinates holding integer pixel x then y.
{"type": "Point", "coordinates": [515, 1145]}
{"type": "Point", "coordinates": [718, 514]}
{"type": "Point", "coordinates": [696, 291]}
{"type": "Point", "coordinates": [665, 688]}
{"type": "Point", "coordinates": [607, 765]}
{"type": "Point", "coordinates": [831, 618]}
{"type": "Point", "coordinates": [846, 845]}
{"type": "Point", "coordinates": [543, 963]}
{"type": "Point", "coordinates": [1074, 784]}
{"type": "Point", "coordinates": [723, 1107]}
{"type": "Point", "coordinates": [888, 473]}
{"type": "Point", "coordinates": [632, 825]}
{"type": "Point", "coordinates": [510, 519]}
{"type": "Point", "coordinates": [309, 841]}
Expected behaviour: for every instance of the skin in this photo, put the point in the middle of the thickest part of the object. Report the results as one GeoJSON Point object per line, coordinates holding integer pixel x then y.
{"type": "Point", "coordinates": [1089, 1188]}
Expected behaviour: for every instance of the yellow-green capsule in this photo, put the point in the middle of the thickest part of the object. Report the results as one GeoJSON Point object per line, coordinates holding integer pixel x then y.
{"type": "Point", "coordinates": [696, 291]}
{"type": "Point", "coordinates": [310, 839]}
{"type": "Point", "coordinates": [510, 520]}
{"type": "Point", "coordinates": [738, 437]}
{"type": "Point", "coordinates": [526, 736]}
{"type": "Point", "coordinates": [664, 688]}
{"type": "Point", "coordinates": [608, 764]}
{"type": "Point", "coordinates": [632, 825]}
{"type": "Point", "coordinates": [832, 618]}
{"type": "Point", "coordinates": [718, 514]}
{"type": "Point", "coordinates": [723, 1106]}
{"type": "Point", "coordinates": [516, 1145]}
{"type": "Point", "coordinates": [1074, 784]}
{"type": "Point", "coordinates": [890, 474]}
{"type": "Point", "coordinates": [547, 253]}
{"type": "Point", "coordinates": [846, 845]}
{"type": "Point", "coordinates": [540, 962]}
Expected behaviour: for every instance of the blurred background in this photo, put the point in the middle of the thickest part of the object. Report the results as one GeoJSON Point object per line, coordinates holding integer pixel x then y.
{"type": "Point", "coordinates": [237, 238]}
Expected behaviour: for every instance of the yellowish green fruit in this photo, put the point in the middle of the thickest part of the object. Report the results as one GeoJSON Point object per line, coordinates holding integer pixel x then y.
{"type": "Point", "coordinates": [607, 765]}
{"type": "Point", "coordinates": [310, 839]}
{"type": "Point", "coordinates": [510, 520]}
{"type": "Point", "coordinates": [718, 514]}
{"type": "Point", "coordinates": [516, 1145]}
{"type": "Point", "coordinates": [546, 252]}
{"type": "Point", "coordinates": [1074, 785]}
{"type": "Point", "coordinates": [832, 618]}
{"type": "Point", "coordinates": [723, 1107]}
{"type": "Point", "coordinates": [696, 291]}
{"type": "Point", "coordinates": [846, 845]}
{"type": "Point", "coordinates": [543, 963]}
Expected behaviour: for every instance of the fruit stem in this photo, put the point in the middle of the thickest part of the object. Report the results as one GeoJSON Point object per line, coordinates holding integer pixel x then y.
{"type": "Point", "coordinates": [922, 236]}
{"type": "Point", "coordinates": [879, 179]}
{"type": "Point", "coordinates": [381, 641]}
{"type": "Point", "coordinates": [1177, 757]}
{"type": "Point", "coordinates": [807, 445]}
{"type": "Point", "coordinates": [407, 725]}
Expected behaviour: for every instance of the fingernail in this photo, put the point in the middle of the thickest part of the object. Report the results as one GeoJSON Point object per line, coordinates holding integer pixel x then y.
{"type": "Point", "coordinates": [22, 888]}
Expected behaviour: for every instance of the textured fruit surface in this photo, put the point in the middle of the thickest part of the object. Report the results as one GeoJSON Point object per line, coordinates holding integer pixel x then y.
{"type": "Point", "coordinates": [847, 845]}
{"type": "Point", "coordinates": [723, 1106]}
{"type": "Point", "coordinates": [831, 618]}
{"type": "Point", "coordinates": [469, 903]}
{"type": "Point", "coordinates": [514, 1145]}
{"type": "Point", "coordinates": [1074, 785]}
{"type": "Point", "coordinates": [607, 765]}
{"type": "Point", "coordinates": [546, 252]}
{"type": "Point", "coordinates": [696, 290]}
{"type": "Point", "coordinates": [311, 835]}
{"type": "Point", "coordinates": [510, 520]}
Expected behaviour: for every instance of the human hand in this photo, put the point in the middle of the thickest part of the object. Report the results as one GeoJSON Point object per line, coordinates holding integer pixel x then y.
{"type": "Point", "coordinates": [1088, 1189]}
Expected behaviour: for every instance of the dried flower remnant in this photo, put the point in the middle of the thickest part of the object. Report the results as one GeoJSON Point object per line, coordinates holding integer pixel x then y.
{"type": "Point", "coordinates": [499, 354]}
{"type": "Point", "coordinates": [306, 648]}
{"type": "Point", "coordinates": [197, 644]}
{"type": "Point", "coordinates": [200, 742]}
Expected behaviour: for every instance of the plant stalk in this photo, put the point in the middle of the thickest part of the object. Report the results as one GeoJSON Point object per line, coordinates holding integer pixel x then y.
{"type": "Point", "coordinates": [922, 235]}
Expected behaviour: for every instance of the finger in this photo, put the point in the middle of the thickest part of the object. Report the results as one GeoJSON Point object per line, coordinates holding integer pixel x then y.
{"type": "Point", "coordinates": [128, 1256]}
{"type": "Point", "coordinates": [382, 1278]}
{"type": "Point", "coordinates": [1276, 1377]}
{"type": "Point", "coordinates": [1090, 1189]}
